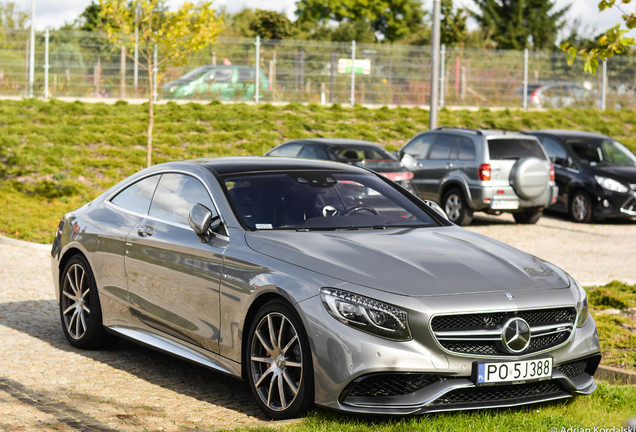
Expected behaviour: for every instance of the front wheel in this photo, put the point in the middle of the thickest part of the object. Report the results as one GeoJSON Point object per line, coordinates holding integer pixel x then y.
{"type": "Point", "coordinates": [80, 310]}
{"type": "Point", "coordinates": [456, 208]}
{"type": "Point", "coordinates": [278, 359]}
{"type": "Point", "coordinates": [581, 207]}
{"type": "Point", "coordinates": [529, 217]}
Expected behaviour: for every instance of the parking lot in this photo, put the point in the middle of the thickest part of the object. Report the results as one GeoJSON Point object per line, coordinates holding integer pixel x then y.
{"type": "Point", "coordinates": [46, 385]}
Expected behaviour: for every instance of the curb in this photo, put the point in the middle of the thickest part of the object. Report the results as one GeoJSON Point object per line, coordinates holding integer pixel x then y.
{"type": "Point", "coordinates": [615, 375]}
{"type": "Point", "coordinates": [24, 244]}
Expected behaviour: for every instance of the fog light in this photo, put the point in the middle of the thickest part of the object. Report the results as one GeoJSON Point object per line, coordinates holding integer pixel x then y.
{"type": "Point", "coordinates": [606, 203]}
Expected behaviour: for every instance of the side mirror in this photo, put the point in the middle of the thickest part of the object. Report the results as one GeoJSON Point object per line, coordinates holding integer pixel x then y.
{"type": "Point", "coordinates": [203, 221]}
{"type": "Point", "coordinates": [436, 207]}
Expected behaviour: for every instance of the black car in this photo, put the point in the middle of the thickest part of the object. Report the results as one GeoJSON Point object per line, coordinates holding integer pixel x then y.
{"type": "Point", "coordinates": [355, 152]}
{"type": "Point", "coordinates": [596, 174]}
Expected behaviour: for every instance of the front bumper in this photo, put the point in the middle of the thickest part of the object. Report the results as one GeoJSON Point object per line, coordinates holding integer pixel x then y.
{"type": "Point", "coordinates": [362, 373]}
{"type": "Point", "coordinates": [607, 204]}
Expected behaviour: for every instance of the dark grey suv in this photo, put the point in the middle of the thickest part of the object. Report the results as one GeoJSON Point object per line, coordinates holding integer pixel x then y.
{"type": "Point", "coordinates": [467, 170]}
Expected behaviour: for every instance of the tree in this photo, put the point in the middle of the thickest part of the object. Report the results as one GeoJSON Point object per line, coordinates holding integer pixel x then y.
{"type": "Point", "coordinates": [390, 20]}
{"type": "Point", "coordinates": [519, 24]}
{"type": "Point", "coordinates": [11, 18]}
{"type": "Point", "coordinates": [270, 25]}
{"type": "Point", "coordinates": [453, 26]}
{"type": "Point", "coordinates": [613, 41]}
{"type": "Point", "coordinates": [173, 36]}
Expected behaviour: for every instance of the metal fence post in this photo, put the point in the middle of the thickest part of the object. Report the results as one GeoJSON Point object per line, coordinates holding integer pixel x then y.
{"type": "Point", "coordinates": [604, 87]}
{"type": "Point", "coordinates": [525, 79]}
{"type": "Point", "coordinates": [256, 68]}
{"type": "Point", "coordinates": [32, 50]}
{"type": "Point", "coordinates": [136, 55]}
{"type": "Point", "coordinates": [434, 101]}
{"type": "Point", "coordinates": [353, 72]}
{"type": "Point", "coordinates": [46, 63]}
{"type": "Point", "coordinates": [442, 76]}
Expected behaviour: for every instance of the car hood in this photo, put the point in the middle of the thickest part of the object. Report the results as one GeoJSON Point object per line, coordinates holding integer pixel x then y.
{"type": "Point", "coordinates": [412, 262]}
{"type": "Point", "coordinates": [619, 172]}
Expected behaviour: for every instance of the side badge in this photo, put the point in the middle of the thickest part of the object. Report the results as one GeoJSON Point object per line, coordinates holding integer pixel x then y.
{"type": "Point", "coordinates": [509, 296]}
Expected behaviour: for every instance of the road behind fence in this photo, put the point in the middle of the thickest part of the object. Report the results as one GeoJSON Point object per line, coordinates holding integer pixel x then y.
{"type": "Point", "coordinates": [83, 64]}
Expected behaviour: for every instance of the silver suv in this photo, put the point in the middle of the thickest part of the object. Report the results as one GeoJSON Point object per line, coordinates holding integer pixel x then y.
{"type": "Point", "coordinates": [468, 170]}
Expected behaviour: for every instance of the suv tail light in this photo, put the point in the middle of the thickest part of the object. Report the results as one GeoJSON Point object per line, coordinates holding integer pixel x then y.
{"type": "Point", "coordinates": [551, 172]}
{"type": "Point", "coordinates": [484, 172]}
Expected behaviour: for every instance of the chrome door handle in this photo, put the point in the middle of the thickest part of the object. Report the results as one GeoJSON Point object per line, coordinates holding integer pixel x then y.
{"type": "Point", "coordinates": [145, 231]}
{"type": "Point", "coordinates": [449, 165]}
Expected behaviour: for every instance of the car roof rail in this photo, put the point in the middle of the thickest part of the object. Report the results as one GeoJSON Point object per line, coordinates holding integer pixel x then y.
{"type": "Point", "coordinates": [477, 131]}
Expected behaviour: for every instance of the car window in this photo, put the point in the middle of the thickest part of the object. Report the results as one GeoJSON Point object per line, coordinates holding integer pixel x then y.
{"type": "Point", "coordinates": [418, 147]}
{"type": "Point", "coordinates": [137, 196]}
{"type": "Point", "coordinates": [289, 150]}
{"type": "Point", "coordinates": [246, 75]}
{"type": "Point", "coordinates": [601, 151]}
{"type": "Point", "coordinates": [313, 152]}
{"type": "Point", "coordinates": [555, 151]}
{"type": "Point", "coordinates": [221, 76]}
{"type": "Point", "coordinates": [507, 148]}
{"type": "Point", "coordinates": [176, 195]}
{"type": "Point", "coordinates": [321, 200]}
{"type": "Point", "coordinates": [442, 147]}
{"type": "Point", "coordinates": [466, 149]}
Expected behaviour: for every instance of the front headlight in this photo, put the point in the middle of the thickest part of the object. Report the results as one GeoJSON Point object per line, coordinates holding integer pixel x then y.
{"type": "Point", "coordinates": [582, 308]}
{"type": "Point", "coordinates": [366, 314]}
{"type": "Point", "coordinates": [611, 185]}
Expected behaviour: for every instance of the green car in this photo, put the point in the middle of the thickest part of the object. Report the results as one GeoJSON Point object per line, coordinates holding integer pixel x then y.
{"type": "Point", "coordinates": [228, 83]}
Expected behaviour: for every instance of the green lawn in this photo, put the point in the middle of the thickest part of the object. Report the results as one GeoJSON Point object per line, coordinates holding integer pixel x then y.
{"type": "Point", "coordinates": [58, 155]}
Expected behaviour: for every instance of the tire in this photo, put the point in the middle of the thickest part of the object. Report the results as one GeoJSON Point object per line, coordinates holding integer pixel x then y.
{"type": "Point", "coordinates": [530, 177]}
{"type": "Point", "coordinates": [529, 217]}
{"type": "Point", "coordinates": [279, 372]}
{"type": "Point", "coordinates": [456, 208]}
{"type": "Point", "coordinates": [580, 208]}
{"type": "Point", "coordinates": [80, 309]}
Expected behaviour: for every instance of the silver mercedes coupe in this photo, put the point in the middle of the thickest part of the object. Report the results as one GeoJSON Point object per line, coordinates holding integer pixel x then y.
{"type": "Point", "coordinates": [320, 283]}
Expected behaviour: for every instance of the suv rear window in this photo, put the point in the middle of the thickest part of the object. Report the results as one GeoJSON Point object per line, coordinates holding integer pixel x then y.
{"type": "Point", "coordinates": [506, 148]}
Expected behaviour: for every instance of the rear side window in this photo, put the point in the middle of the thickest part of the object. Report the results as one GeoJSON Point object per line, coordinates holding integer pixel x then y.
{"type": "Point", "coordinates": [137, 196]}
{"type": "Point", "coordinates": [466, 149]}
{"type": "Point", "coordinates": [313, 152]}
{"type": "Point", "coordinates": [290, 150]}
{"type": "Point", "coordinates": [506, 148]}
{"type": "Point", "coordinates": [246, 75]}
{"type": "Point", "coordinates": [176, 195]}
{"type": "Point", "coordinates": [442, 147]}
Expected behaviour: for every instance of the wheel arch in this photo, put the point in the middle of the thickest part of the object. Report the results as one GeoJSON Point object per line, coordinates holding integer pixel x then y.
{"type": "Point", "coordinates": [455, 183]}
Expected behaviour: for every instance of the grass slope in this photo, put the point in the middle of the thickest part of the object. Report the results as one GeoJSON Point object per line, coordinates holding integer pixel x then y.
{"type": "Point", "coordinates": [58, 155]}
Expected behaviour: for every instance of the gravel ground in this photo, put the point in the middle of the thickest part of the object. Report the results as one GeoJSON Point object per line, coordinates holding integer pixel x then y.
{"type": "Point", "coordinates": [46, 385]}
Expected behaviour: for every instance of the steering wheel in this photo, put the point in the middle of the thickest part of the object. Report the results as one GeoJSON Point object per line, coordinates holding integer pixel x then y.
{"type": "Point", "coordinates": [329, 211]}
{"type": "Point", "coordinates": [360, 208]}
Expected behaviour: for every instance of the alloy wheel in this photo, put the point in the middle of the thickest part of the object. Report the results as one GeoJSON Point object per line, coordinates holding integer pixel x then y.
{"type": "Point", "coordinates": [276, 361]}
{"type": "Point", "coordinates": [75, 300]}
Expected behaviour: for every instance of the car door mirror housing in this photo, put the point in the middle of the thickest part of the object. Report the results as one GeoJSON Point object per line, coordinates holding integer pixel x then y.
{"type": "Point", "coordinates": [203, 221]}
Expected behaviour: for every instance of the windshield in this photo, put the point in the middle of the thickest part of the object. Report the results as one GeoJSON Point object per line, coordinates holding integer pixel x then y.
{"type": "Point", "coordinates": [598, 151]}
{"type": "Point", "coordinates": [321, 200]}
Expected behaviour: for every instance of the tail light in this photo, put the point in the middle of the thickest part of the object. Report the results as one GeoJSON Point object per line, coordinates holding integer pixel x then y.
{"type": "Point", "coordinates": [551, 172]}
{"type": "Point", "coordinates": [484, 172]}
{"type": "Point", "coordinates": [534, 97]}
{"type": "Point", "coordinates": [398, 176]}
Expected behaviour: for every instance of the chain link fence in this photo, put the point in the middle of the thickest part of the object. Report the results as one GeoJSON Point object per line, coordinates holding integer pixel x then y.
{"type": "Point", "coordinates": [85, 65]}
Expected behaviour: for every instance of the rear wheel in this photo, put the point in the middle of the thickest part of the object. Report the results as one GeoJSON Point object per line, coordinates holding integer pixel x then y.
{"type": "Point", "coordinates": [456, 207]}
{"type": "Point", "coordinates": [80, 310]}
{"type": "Point", "coordinates": [581, 207]}
{"type": "Point", "coordinates": [529, 217]}
{"type": "Point", "coordinates": [278, 360]}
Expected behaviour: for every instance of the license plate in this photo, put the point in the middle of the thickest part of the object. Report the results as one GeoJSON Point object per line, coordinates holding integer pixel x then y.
{"type": "Point", "coordinates": [504, 205]}
{"type": "Point", "coordinates": [522, 370]}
